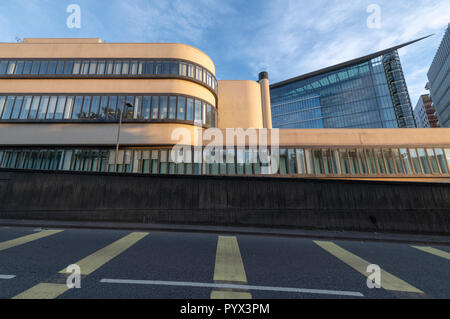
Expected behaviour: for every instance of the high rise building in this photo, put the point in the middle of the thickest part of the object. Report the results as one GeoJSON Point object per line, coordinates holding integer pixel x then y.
{"type": "Point", "coordinates": [425, 113]}
{"type": "Point", "coordinates": [439, 80]}
{"type": "Point", "coordinates": [368, 92]}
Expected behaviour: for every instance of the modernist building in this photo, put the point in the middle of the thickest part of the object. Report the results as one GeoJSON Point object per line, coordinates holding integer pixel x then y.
{"type": "Point", "coordinates": [439, 80]}
{"type": "Point", "coordinates": [425, 113]}
{"type": "Point", "coordinates": [368, 92]}
{"type": "Point", "coordinates": [61, 102]}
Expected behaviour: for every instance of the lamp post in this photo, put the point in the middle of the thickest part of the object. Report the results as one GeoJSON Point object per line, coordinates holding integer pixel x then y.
{"type": "Point", "coordinates": [128, 105]}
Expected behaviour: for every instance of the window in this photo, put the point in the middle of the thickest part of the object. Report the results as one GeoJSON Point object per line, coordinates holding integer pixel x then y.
{"type": "Point", "coordinates": [424, 161]}
{"type": "Point", "coordinates": [405, 160]}
{"type": "Point", "coordinates": [77, 109]}
{"type": "Point", "coordinates": [125, 67]}
{"type": "Point", "coordinates": [52, 67]}
{"type": "Point", "coordinates": [163, 105]}
{"type": "Point", "coordinates": [26, 108]}
{"type": "Point", "coordinates": [51, 107]}
{"type": "Point", "coordinates": [109, 67]}
{"type": "Point", "coordinates": [101, 67]}
{"type": "Point", "coordinates": [191, 71]}
{"type": "Point", "coordinates": [84, 68]}
{"type": "Point", "coordinates": [439, 154]}
{"type": "Point", "coordinates": [415, 161]}
{"type": "Point", "coordinates": [27, 67]}
{"type": "Point", "coordinates": [183, 69]}
{"type": "Point", "coordinates": [300, 162]}
{"type": "Point", "coordinates": [112, 109]}
{"type": "Point", "coordinates": [35, 67]}
{"type": "Point", "coordinates": [17, 108]}
{"type": "Point", "coordinates": [71, 67]}
{"type": "Point", "coordinates": [3, 66]}
{"type": "Point", "coordinates": [86, 108]}
{"type": "Point", "coordinates": [155, 107]}
{"type": "Point", "coordinates": [95, 107]}
{"type": "Point", "coordinates": [318, 162]}
{"type": "Point", "coordinates": [208, 115]}
{"type": "Point", "coordinates": [146, 107]}
{"type": "Point", "coordinates": [172, 107]}
{"type": "Point", "coordinates": [76, 68]}
{"type": "Point", "coordinates": [181, 113]}
{"type": "Point", "coordinates": [11, 67]}
{"type": "Point", "coordinates": [103, 113]}
{"type": "Point", "coordinates": [292, 162]}
{"type": "Point", "coordinates": [204, 113]}
{"type": "Point", "coordinates": [174, 68]}
{"type": "Point", "coordinates": [117, 67]}
{"type": "Point", "coordinates": [60, 68]}
{"type": "Point", "coordinates": [198, 112]}
{"type": "Point", "coordinates": [190, 109]}
{"type": "Point", "coordinates": [43, 68]}
{"type": "Point", "coordinates": [133, 68]}
{"type": "Point", "coordinates": [93, 68]}
{"type": "Point", "coordinates": [43, 107]}
{"type": "Point", "coordinates": [2, 104]}
{"type": "Point", "coordinates": [60, 107]}
{"type": "Point", "coordinates": [69, 108]}
{"type": "Point", "coordinates": [433, 161]}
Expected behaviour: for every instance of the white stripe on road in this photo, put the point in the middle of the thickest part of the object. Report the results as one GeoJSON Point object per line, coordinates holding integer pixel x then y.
{"type": "Point", "coordinates": [230, 286]}
{"type": "Point", "coordinates": [7, 277]}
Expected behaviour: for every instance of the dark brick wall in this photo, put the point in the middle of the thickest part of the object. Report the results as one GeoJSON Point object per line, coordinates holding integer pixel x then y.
{"type": "Point", "coordinates": [239, 201]}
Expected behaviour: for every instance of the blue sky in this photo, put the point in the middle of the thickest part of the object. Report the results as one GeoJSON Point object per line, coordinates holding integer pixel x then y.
{"type": "Point", "coordinates": [287, 38]}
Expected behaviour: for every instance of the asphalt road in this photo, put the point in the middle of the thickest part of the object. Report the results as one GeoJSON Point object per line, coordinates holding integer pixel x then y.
{"type": "Point", "coordinates": [125, 264]}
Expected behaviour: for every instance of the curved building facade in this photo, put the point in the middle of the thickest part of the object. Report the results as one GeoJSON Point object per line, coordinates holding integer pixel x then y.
{"type": "Point", "coordinates": [84, 105]}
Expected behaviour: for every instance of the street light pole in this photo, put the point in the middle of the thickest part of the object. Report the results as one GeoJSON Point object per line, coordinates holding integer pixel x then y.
{"type": "Point", "coordinates": [128, 104]}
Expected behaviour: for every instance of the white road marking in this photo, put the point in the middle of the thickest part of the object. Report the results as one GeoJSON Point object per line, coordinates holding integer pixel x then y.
{"type": "Point", "coordinates": [7, 277]}
{"type": "Point", "coordinates": [230, 286]}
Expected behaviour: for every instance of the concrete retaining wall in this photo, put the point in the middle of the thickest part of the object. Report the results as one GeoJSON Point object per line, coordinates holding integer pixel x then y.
{"type": "Point", "coordinates": [237, 201]}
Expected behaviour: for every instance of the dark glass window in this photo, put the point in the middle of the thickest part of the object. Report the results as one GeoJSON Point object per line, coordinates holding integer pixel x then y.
{"type": "Point", "coordinates": [17, 108]}
{"type": "Point", "coordinates": [198, 111]}
{"type": "Point", "coordinates": [8, 108]}
{"type": "Point", "coordinates": [26, 107]}
{"type": "Point", "coordinates": [181, 113]}
{"type": "Point", "coordinates": [19, 67]}
{"type": "Point", "coordinates": [35, 68]}
{"type": "Point", "coordinates": [104, 107]}
{"type": "Point", "coordinates": [43, 107]}
{"type": "Point", "coordinates": [60, 107]}
{"type": "Point", "coordinates": [155, 107]}
{"type": "Point", "coordinates": [43, 68]}
{"type": "Point", "coordinates": [95, 107]}
{"type": "Point", "coordinates": [190, 109]}
{"type": "Point", "coordinates": [52, 67]}
{"type": "Point", "coordinates": [77, 109]}
{"type": "Point", "coordinates": [112, 107]}
{"type": "Point", "coordinates": [172, 107]}
{"type": "Point", "coordinates": [163, 107]}
{"type": "Point", "coordinates": [3, 66]}
{"type": "Point", "coordinates": [70, 68]}
{"type": "Point", "coordinates": [146, 107]}
{"type": "Point", "coordinates": [51, 107]}
{"type": "Point", "coordinates": [27, 67]}
{"type": "Point", "coordinates": [60, 68]}
{"type": "Point", "coordinates": [86, 107]}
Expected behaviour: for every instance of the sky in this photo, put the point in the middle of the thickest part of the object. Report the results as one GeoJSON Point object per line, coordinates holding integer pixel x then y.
{"type": "Point", "coordinates": [286, 38]}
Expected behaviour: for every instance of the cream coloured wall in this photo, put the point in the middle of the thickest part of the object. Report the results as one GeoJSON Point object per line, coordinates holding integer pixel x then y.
{"type": "Point", "coordinates": [92, 48]}
{"type": "Point", "coordinates": [240, 104]}
{"type": "Point", "coordinates": [147, 134]}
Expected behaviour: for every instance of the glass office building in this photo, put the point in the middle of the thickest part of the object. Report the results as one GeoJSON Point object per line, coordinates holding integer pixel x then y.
{"type": "Point", "coordinates": [439, 80]}
{"type": "Point", "coordinates": [369, 92]}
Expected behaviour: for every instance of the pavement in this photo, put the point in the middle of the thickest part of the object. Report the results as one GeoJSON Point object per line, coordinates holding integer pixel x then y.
{"type": "Point", "coordinates": [284, 232]}
{"type": "Point", "coordinates": [196, 264]}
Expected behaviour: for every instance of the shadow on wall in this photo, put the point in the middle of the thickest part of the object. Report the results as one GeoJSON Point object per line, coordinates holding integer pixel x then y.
{"type": "Point", "coordinates": [231, 201]}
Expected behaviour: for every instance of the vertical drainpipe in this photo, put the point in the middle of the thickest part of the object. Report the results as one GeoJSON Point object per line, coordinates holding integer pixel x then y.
{"type": "Point", "coordinates": [265, 99]}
